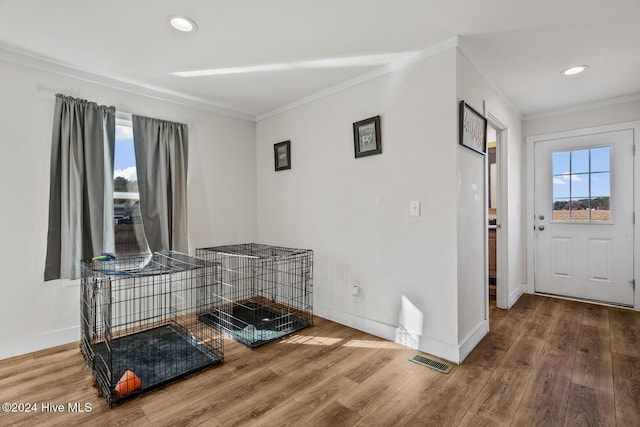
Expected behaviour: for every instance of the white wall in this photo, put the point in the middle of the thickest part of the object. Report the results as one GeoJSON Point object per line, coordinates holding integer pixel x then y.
{"type": "Point", "coordinates": [477, 92]}
{"type": "Point", "coordinates": [472, 249]}
{"type": "Point", "coordinates": [354, 213]}
{"type": "Point", "coordinates": [222, 195]}
{"type": "Point", "coordinates": [610, 114]}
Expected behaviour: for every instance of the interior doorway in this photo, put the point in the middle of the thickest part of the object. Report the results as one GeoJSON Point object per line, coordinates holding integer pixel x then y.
{"type": "Point", "coordinates": [492, 215]}
{"type": "Point", "coordinates": [497, 213]}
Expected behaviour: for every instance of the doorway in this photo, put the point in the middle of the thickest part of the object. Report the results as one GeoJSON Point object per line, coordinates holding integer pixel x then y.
{"type": "Point", "coordinates": [497, 215]}
{"type": "Point", "coordinates": [583, 225]}
{"type": "Point", "coordinates": [492, 216]}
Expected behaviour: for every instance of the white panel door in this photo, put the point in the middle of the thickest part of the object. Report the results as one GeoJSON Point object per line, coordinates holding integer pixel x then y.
{"type": "Point", "coordinates": [583, 197]}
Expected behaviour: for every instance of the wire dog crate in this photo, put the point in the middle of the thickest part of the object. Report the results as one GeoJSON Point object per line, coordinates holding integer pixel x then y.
{"type": "Point", "coordinates": [140, 320]}
{"type": "Point", "coordinates": [266, 292]}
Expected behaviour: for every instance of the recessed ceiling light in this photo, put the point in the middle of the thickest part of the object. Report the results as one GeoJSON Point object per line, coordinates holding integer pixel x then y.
{"type": "Point", "coordinates": [574, 70]}
{"type": "Point", "coordinates": [182, 23]}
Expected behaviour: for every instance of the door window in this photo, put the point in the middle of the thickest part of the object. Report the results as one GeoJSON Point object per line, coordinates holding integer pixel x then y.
{"type": "Point", "coordinates": [582, 185]}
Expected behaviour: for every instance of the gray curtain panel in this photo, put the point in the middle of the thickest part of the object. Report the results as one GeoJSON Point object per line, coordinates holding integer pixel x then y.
{"type": "Point", "coordinates": [161, 160]}
{"type": "Point", "coordinates": [81, 188]}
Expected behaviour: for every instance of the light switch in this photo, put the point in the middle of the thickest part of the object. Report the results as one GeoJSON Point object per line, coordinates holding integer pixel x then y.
{"type": "Point", "coordinates": [414, 208]}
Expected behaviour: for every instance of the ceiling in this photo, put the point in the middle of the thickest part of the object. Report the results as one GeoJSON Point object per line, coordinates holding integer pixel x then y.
{"type": "Point", "coordinates": [265, 55]}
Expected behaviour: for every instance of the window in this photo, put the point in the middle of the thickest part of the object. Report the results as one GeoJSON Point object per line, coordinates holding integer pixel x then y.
{"type": "Point", "coordinates": [129, 231]}
{"type": "Point", "coordinates": [582, 185]}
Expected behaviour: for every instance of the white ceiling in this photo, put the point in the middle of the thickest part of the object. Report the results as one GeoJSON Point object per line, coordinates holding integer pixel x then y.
{"type": "Point", "coordinates": [270, 53]}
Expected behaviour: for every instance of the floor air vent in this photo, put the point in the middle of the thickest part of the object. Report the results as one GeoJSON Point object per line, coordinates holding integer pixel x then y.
{"type": "Point", "coordinates": [431, 363]}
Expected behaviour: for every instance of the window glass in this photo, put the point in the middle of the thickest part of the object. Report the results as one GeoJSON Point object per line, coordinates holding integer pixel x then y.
{"type": "Point", "coordinates": [580, 161]}
{"type": "Point", "coordinates": [582, 185]}
{"type": "Point", "coordinates": [129, 232]}
{"type": "Point", "coordinates": [601, 184]}
{"type": "Point", "coordinates": [600, 161]}
{"type": "Point", "coordinates": [561, 163]}
{"type": "Point", "coordinates": [561, 209]}
{"type": "Point", "coordinates": [600, 196]}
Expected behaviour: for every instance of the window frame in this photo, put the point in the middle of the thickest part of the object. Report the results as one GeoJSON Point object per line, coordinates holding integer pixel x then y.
{"type": "Point", "coordinates": [590, 196]}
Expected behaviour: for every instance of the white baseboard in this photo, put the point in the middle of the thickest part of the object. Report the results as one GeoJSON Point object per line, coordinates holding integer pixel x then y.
{"type": "Point", "coordinates": [472, 340]}
{"type": "Point", "coordinates": [372, 327]}
{"type": "Point", "coordinates": [440, 349]}
{"type": "Point", "coordinates": [515, 295]}
{"type": "Point", "coordinates": [427, 345]}
{"type": "Point", "coordinates": [39, 342]}
{"type": "Point", "coordinates": [435, 347]}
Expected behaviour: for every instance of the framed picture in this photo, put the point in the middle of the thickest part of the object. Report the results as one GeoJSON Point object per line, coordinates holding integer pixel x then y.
{"type": "Point", "coordinates": [282, 155]}
{"type": "Point", "coordinates": [473, 129]}
{"type": "Point", "coordinates": [366, 137]}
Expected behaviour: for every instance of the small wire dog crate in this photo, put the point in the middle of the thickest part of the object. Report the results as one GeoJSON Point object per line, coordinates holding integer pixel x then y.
{"type": "Point", "coordinates": [266, 292]}
{"type": "Point", "coordinates": [140, 320]}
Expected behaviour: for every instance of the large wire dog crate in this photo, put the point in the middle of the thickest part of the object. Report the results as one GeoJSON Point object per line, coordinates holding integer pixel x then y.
{"type": "Point", "coordinates": [140, 320]}
{"type": "Point", "coordinates": [266, 292]}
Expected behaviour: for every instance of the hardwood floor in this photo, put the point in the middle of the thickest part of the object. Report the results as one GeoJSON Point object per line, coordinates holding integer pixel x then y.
{"type": "Point", "coordinates": [545, 362]}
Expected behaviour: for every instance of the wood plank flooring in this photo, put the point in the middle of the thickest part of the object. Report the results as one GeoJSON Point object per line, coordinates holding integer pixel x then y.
{"type": "Point", "coordinates": [546, 362]}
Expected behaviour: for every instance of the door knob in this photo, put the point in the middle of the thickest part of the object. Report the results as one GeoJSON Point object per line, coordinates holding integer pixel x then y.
{"type": "Point", "coordinates": [541, 227]}
{"type": "Point", "coordinates": [541, 217]}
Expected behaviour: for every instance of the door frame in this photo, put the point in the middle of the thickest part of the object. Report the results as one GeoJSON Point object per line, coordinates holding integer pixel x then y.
{"type": "Point", "coordinates": [531, 236]}
{"type": "Point", "coordinates": [502, 271]}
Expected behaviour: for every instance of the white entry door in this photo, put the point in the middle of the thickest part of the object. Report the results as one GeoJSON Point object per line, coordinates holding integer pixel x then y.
{"type": "Point", "coordinates": [583, 197]}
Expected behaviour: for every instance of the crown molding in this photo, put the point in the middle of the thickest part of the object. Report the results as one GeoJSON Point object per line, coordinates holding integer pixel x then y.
{"type": "Point", "coordinates": [163, 94]}
{"type": "Point", "coordinates": [120, 84]}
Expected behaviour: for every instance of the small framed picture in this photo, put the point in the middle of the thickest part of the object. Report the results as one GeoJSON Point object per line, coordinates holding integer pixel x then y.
{"type": "Point", "coordinates": [473, 129]}
{"type": "Point", "coordinates": [366, 137]}
{"type": "Point", "coordinates": [282, 155]}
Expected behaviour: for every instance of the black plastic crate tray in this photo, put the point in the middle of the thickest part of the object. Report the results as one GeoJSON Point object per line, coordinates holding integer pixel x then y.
{"type": "Point", "coordinates": [156, 356]}
{"type": "Point", "coordinates": [254, 324]}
